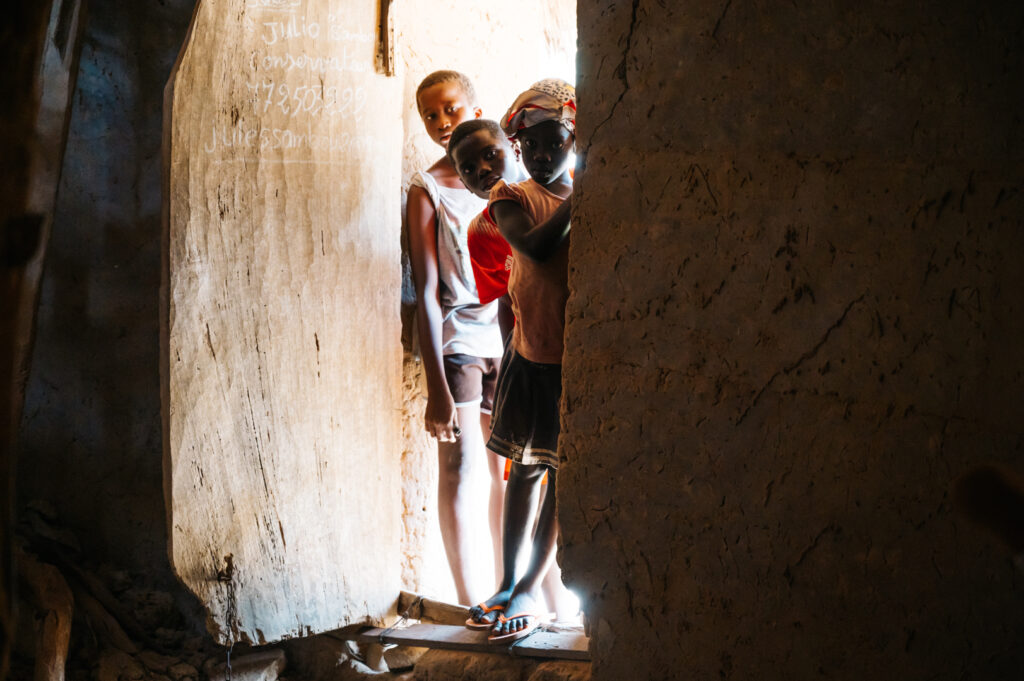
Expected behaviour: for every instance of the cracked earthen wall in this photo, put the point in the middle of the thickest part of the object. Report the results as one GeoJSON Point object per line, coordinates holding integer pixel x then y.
{"type": "Point", "coordinates": [795, 319]}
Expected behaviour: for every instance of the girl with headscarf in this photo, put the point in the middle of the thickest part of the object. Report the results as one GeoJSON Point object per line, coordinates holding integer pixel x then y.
{"type": "Point", "coordinates": [533, 216]}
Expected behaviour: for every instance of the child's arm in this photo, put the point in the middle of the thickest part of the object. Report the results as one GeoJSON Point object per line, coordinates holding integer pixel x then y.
{"type": "Point", "coordinates": [441, 418]}
{"type": "Point", "coordinates": [506, 319]}
{"type": "Point", "coordinates": [538, 242]}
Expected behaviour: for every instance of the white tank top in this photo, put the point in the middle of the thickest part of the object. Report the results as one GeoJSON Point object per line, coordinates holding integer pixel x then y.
{"type": "Point", "coordinates": [468, 328]}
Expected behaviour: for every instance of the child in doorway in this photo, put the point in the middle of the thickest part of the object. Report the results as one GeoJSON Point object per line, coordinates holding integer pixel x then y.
{"type": "Point", "coordinates": [533, 216]}
{"type": "Point", "coordinates": [459, 338]}
{"type": "Point", "coordinates": [483, 156]}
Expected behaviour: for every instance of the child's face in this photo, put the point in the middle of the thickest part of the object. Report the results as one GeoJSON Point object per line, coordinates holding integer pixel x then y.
{"type": "Point", "coordinates": [442, 107]}
{"type": "Point", "coordinates": [547, 150]}
{"type": "Point", "coordinates": [481, 160]}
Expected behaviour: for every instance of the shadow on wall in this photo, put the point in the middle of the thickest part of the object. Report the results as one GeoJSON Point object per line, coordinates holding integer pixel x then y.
{"type": "Point", "coordinates": [91, 430]}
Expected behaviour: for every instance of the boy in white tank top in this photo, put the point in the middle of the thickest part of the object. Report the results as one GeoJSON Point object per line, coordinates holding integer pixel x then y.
{"type": "Point", "coordinates": [460, 343]}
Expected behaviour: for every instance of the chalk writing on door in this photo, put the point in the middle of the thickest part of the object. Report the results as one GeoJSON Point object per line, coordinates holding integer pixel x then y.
{"type": "Point", "coordinates": [301, 79]}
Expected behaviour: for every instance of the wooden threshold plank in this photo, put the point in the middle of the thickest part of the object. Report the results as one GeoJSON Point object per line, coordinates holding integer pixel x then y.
{"type": "Point", "coordinates": [417, 607]}
{"type": "Point", "coordinates": [556, 645]}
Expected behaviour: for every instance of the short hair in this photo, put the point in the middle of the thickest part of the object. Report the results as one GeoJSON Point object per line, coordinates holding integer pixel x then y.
{"type": "Point", "coordinates": [467, 128]}
{"type": "Point", "coordinates": [447, 77]}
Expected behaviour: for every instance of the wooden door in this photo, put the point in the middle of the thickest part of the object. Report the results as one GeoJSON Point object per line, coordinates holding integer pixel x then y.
{"type": "Point", "coordinates": [281, 353]}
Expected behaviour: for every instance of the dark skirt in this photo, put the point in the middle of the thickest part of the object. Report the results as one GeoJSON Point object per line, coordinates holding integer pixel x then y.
{"type": "Point", "coordinates": [524, 424]}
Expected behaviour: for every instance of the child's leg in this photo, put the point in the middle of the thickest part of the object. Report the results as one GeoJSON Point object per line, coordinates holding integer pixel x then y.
{"type": "Point", "coordinates": [559, 599]}
{"type": "Point", "coordinates": [517, 519]}
{"type": "Point", "coordinates": [496, 468]}
{"type": "Point", "coordinates": [458, 502]}
{"type": "Point", "coordinates": [526, 594]}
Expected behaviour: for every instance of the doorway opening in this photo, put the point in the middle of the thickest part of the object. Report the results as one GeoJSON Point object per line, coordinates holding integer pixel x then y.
{"type": "Point", "coordinates": [503, 53]}
{"type": "Point", "coordinates": [297, 476]}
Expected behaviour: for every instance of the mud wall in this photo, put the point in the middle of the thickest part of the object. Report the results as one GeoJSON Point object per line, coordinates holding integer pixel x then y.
{"type": "Point", "coordinates": [795, 319]}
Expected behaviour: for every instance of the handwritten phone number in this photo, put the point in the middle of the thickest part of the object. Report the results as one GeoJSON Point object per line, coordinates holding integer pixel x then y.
{"type": "Point", "coordinates": [312, 100]}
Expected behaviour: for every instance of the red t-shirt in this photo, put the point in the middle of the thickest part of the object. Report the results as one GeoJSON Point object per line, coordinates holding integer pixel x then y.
{"type": "Point", "coordinates": [491, 258]}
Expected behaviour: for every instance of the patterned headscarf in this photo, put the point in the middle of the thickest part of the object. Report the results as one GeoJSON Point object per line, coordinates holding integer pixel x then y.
{"type": "Point", "coordinates": [550, 99]}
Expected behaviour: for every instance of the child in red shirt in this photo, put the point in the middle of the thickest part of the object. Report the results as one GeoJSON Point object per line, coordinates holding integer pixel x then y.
{"type": "Point", "coordinates": [487, 158]}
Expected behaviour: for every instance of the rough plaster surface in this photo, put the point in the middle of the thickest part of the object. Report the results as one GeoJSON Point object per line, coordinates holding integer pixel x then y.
{"type": "Point", "coordinates": [795, 319]}
{"type": "Point", "coordinates": [91, 427]}
{"type": "Point", "coordinates": [282, 354]}
{"type": "Point", "coordinates": [503, 52]}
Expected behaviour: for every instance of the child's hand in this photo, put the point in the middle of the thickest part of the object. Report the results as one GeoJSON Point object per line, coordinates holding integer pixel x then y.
{"type": "Point", "coordinates": [442, 420]}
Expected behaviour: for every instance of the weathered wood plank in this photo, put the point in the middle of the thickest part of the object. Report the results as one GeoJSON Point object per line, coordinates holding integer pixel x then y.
{"type": "Point", "coordinates": [52, 605]}
{"type": "Point", "coordinates": [417, 607]}
{"type": "Point", "coordinates": [281, 356]}
{"type": "Point", "coordinates": [554, 645]}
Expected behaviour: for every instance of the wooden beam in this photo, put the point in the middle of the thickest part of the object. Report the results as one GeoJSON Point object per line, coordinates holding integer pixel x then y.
{"type": "Point", "coordinates": [416, 607]}
{"type": "Point", "coordinates": [385, 55]}
{"type": "Point", "coordinates": [53, 606]}
{"type": "Point", "coordinates": [562, 644]}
